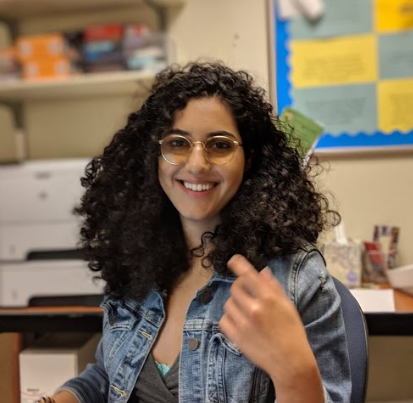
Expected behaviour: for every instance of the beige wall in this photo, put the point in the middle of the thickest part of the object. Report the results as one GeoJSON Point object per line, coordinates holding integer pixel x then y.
{"type": "Point", "coordinates": [234, 31]}
{"type": "Point", "coordinates": [373, 189]}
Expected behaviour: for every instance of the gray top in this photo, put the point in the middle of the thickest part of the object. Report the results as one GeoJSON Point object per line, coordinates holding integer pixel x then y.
{"type": "Point", "coordinates": [152, 388]}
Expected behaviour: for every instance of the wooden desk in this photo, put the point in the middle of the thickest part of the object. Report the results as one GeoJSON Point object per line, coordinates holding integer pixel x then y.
{"type": "Point", "coordinates": [399, 323]}
{"type": "Point", "coordinates": [403, 301]}
{"type": "Point", "coordinates": [89, 319]}
{"type": "Point", "coordinates": [51, 319]}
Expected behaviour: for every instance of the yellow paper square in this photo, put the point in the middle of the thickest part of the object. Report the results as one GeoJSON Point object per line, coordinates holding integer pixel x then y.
{"type": "Point", "coordinates": [395, 104]}
{"type": "Point", "coordinates": [336, 61]}
{"type": "Point", "coordinates": [394, 15]}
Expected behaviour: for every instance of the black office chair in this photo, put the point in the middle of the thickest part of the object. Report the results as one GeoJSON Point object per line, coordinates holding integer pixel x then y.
{"type": "Point", "coordinates": [357, 339]}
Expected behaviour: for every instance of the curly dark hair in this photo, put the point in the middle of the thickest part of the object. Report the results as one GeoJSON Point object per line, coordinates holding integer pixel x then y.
{"type": "Point", "coordinates": [132, 233]}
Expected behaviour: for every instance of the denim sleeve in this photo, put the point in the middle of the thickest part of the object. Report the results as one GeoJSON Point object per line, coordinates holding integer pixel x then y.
{"type": "Point", "coordinates": [92, 385]}
{"type": "Point", "coordinates": [318, 302]}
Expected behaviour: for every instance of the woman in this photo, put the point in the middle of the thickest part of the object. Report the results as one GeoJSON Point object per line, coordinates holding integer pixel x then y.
{"type": "Point", "coordinates": [201, 218]}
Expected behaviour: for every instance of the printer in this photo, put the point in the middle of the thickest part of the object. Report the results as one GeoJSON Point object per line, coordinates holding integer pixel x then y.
{"type": "Point", "coordinates": [40, 263]}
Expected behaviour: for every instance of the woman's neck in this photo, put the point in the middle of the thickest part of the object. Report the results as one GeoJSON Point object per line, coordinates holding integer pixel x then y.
{"type": "Point", "coordinates": [194, 230]}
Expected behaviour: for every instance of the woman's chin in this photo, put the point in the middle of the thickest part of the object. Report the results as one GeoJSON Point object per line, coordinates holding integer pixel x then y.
{"type": "Point", "coordinates": [199, 217]}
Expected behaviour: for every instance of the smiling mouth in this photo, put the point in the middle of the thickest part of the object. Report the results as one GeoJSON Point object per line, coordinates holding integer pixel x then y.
{"type": "Point", "coordinates": [198, 187]}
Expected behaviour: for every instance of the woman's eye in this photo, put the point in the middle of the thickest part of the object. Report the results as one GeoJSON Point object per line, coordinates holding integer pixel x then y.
{"type": "Point", "coordinates": [220, 144]}
{"type": "Point", "coordinates": [178, 143]}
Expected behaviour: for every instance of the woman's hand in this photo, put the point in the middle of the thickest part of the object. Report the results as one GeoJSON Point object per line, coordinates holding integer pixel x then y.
{"type": "Point", "coordinates": [264, 324]}
{"type": "Point", "coordinates": [64, 397]}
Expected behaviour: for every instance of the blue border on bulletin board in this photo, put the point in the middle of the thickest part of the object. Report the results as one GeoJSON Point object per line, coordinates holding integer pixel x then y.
{"type": "Point", "coordinates": [327, 140]}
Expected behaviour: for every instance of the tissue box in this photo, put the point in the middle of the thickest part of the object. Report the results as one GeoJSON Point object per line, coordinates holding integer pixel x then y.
{"type": "Point", "coordinates": [344, 261]}
{"type": "Point", "coordinates": [402, 278]}
{"type": "Point", "coordinates": [53, 360]}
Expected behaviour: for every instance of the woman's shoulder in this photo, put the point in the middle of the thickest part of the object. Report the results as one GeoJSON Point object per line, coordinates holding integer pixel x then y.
{"type": "Point", "coordinates": [308, 255]}
{"type": "Point", "coordinates": [301, 272]}
{"type": "Point", "coordinates": [112, 300]}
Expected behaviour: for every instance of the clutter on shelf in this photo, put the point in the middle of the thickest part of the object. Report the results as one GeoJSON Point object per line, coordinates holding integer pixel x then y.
{"type": "Point", "coordinates": [97, 48]}
{"type": "Point", "coordinates": [388, 238]}
{"type": "Point", "coordinates": [381, 254]}
{"type": "Point", "coordinates": [364, 263]}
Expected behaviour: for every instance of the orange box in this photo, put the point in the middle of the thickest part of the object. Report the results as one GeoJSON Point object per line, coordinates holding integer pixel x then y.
{"type": "Point", "coordinates": [39, 69]}
{"type": "Point", "coordinates": [40, 46]}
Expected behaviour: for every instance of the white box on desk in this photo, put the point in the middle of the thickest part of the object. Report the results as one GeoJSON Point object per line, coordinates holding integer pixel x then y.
{"type": "Point", "coordinates": [53, 360]}
{"type": "Point", "coordinates": [401, 278]}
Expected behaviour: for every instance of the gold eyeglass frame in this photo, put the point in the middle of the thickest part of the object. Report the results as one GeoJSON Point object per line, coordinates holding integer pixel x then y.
{"type": "Point", "coordinates": [194, 143]}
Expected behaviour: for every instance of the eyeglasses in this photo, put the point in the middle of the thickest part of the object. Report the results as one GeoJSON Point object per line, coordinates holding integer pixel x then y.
{"type": "Point", "coordinates": [219, 150]}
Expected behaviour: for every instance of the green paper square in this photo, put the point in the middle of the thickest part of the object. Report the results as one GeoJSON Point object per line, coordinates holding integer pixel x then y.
{"type": "Point", "coordinates": [304, 128]}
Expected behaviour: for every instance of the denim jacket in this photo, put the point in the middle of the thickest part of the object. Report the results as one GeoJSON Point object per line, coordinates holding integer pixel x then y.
{"type": "Point", "coordinates": [212, 369]}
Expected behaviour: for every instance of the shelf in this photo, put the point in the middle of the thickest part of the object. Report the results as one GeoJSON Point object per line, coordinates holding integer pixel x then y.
{"type": "Point", "coordinates": [127, 83]}
{"type": "Point", "coordinates": [20, 9]}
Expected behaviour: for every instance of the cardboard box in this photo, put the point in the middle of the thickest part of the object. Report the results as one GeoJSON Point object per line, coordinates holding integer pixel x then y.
{"type": "Point", "coordinates": [40, 46]}
{"type": "Point", "coordinates": [39, 69]}
{"type": "Point", "coordinates": [53, 360]}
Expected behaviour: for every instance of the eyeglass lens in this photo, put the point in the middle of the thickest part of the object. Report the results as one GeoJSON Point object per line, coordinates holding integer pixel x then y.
{"type": "Point", "coordinates": [177, 149]}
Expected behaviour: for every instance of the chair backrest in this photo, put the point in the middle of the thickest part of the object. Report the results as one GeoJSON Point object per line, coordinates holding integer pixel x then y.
{"type": "Point", "coordinates": [357, 339]}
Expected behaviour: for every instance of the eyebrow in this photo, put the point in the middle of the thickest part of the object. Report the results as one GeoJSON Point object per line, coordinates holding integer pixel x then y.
{"type": "Point", "coordinates": [209, 135]}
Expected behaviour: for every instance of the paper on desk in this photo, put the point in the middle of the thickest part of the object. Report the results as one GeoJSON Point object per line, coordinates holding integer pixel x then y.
{"type": "Point", "coordinates": [374, 300]}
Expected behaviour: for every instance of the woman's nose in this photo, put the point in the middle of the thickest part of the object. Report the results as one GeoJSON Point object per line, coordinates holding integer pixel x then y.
{"type": "Point", "coordinates": [197, 161]}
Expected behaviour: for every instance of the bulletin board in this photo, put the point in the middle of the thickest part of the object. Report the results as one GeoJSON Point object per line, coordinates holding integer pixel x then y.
{"type": "Point", "coordinates": [352, 71]}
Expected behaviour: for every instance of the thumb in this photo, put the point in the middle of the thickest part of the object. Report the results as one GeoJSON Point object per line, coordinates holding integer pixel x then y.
{"type": "Point", "coordinates": [269, 278]}
{"type": "Point", "coordinates": [267, 274]}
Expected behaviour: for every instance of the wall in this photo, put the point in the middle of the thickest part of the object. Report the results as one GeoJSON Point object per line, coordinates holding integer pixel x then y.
{"type": "Point", "coordinates": [373, 189]}
{"type": "Point", "coordinates": [236, 34]}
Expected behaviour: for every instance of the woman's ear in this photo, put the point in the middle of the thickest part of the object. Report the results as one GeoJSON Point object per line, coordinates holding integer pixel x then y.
{"type": "Point", "coordinates": [249, 161]}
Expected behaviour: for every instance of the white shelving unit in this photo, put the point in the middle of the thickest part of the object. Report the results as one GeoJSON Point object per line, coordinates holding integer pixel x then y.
{"type": "Point", "coordinates": [75, 116]}
{"type": "Point", "coordinates": [126, 82]}
{"type": "Point", "coordinates": [93, 84]}
{"type": "Point", "coordinates": [19, 9]}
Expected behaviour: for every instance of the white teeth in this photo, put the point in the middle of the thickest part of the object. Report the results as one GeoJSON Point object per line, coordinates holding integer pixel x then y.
{"type": "Point", "coordinates": [198, 187]}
